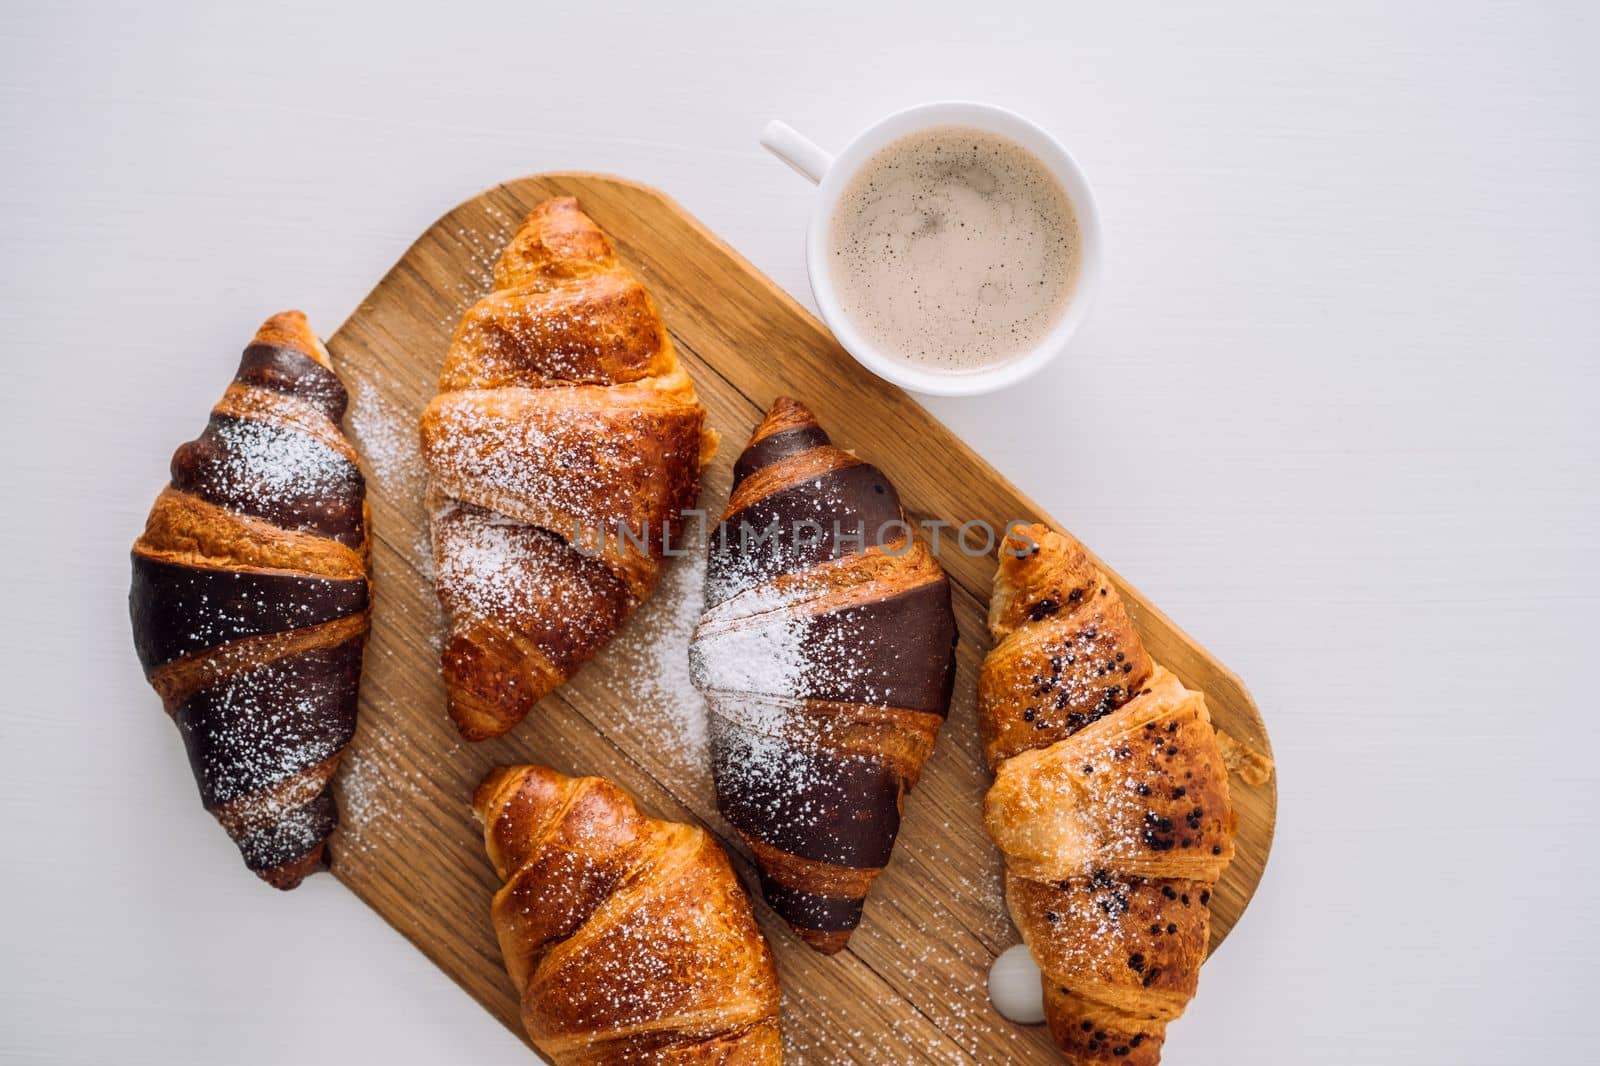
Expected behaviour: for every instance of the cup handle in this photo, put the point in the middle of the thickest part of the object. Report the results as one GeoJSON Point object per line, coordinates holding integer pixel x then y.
{"type": "Point", "coordinates": [790, 145]}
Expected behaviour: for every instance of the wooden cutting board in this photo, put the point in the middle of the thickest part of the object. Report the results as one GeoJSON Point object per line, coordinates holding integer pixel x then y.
{"type": "Point", "coordinates": [911, 986]}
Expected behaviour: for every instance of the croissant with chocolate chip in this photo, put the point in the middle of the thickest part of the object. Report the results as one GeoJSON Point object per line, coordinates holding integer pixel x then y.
{"type": "Point", "coordinates": [564, 445]}
{"type": "Point", "coordinates": [629, 938]}
{"type": "Point", "coordinates": [1110, 801]}
{"type": "Point", "coordinates": [826, 655]}
{"type": "Point", "coordinates": [249, 600]}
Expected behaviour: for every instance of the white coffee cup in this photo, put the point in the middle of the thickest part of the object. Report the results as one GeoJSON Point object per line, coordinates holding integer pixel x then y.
{"type": "Point", "coordinates": [833, 174]}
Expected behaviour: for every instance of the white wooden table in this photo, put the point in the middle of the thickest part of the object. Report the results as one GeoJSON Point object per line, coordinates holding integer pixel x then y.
{"type": "Point", "coordinates": [1335, 412]}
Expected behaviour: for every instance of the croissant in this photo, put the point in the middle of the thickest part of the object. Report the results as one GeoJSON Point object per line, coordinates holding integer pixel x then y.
{"type": "Point", "coordinates": [562, 449]}
{"type": "Point", "coordinates": [826, 655]}
{"type": "Point", "coordinates": [1110, 802]}
{"type": "Point", "coordinates": [629, 939]}
{"type": "Point", "coordinates": [249, 600]}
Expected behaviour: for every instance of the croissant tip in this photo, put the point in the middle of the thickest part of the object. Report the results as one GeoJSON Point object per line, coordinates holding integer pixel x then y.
{"type": "Point", "coordinates": [287, 876]}
{"type": "Point", "coordinates": [474, 724]}
{"type": "Point", "coordinates": [788, 405]}
{"type": "Point", "coordinates": [290, 329]}
{"type": "Point", "coordinates": [784, 413]}
{"type": "Point", "coordinates": [483, 796]}
{"type": "Point", "coordinates": [498, 785]}
{"type": "Point", "coordinates": [552, 208]}
{"type": "Point", "coordinates": [473, 735]}
{"type": "Point", "coordinates": [824, 942]}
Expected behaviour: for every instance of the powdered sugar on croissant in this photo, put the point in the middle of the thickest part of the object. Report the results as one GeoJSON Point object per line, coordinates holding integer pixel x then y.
{"type": "Point", "coordinates": [564, 445]}
{"type": "Point", "coordinates": [826, 663]}
{"type": "Point", "coordinates": [629, 938]}
{"type": "Point", "coordinates": [1110, 801]}
{"type": "Point", "coordinates": [250, 600]}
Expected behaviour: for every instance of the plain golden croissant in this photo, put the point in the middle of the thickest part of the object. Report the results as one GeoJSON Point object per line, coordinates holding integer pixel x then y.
{"type": "Point", "coordinates": [826, 655]}
{"type": "Point", "coordinates": [249, 600]}
{"type": "Point", "coordinates": [629, 939]}
{"type": "Point", "coordinates": [562, 449]}
{"type": "Point", "coordinates": [1110, 802]}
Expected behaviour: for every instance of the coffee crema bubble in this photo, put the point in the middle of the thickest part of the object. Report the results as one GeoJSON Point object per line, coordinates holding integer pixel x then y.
{"type": "Point", "coordinates": [954, 249]}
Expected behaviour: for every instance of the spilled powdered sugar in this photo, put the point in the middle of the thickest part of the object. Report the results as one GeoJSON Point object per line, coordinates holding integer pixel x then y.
{"type": "Point", "coordinates": [386, 435]}
{"type": "Point", "coordinates": [361, 785]}
{"type": "Point", "coordinates": [375, 794]}
{"type": "Point", "coordinates": [647, 665]}
{"type": "Point", "coordinates": [482, 245]}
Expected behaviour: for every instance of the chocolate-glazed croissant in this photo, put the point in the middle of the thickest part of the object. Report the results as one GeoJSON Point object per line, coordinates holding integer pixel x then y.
{"type": "Point", "coordinates": [826, 655]}
{"type": "Point", "coordinates": [250, 599]}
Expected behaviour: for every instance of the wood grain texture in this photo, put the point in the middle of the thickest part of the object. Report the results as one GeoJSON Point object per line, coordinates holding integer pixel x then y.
{"type": "Point", "coordinates": [911, 986]}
